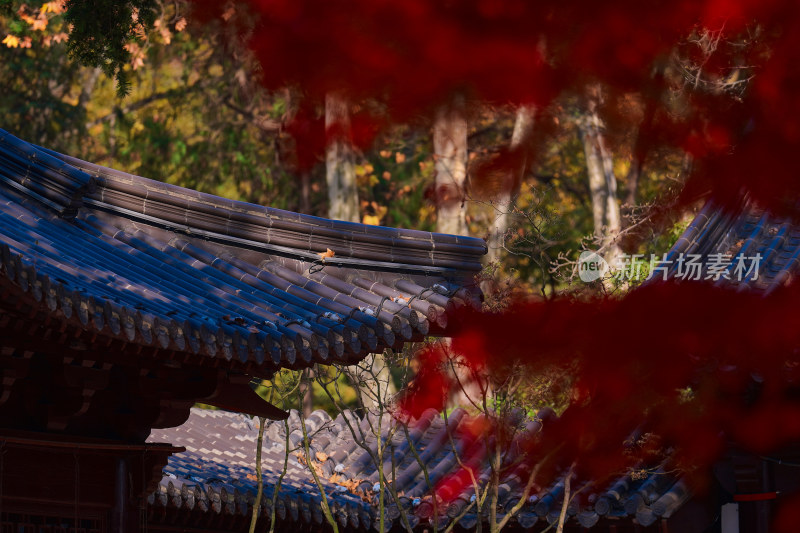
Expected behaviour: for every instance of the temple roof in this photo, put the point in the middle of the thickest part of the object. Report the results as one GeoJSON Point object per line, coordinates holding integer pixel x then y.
{"type": "Point", "coordinates": [748, 247]}
{"type": "Point", "coordinates": [215, 476]}
{"type": "Point", "coordinates": [221, 281]}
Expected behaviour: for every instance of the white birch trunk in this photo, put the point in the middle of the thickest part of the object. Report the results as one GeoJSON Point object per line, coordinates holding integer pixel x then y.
{"type": "Point", "coordinates": [509, 189]}
{"type": "Point", "coordinates": [340, 162]}
{"type": "Point", "coordinates": [450, 167]}
{"type": "Point", "coordinates": [379, 389]}
{"type": "Point", "coordinates": [602, 182]}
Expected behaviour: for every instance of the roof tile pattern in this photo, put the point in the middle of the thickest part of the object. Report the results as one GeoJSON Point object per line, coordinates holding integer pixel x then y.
{"type": "Point", "coordinates": [175, 269]}
{"type": "Point", "coordinates": [216, 475]}
{"type": "Point", "coordinates": [749, 238]}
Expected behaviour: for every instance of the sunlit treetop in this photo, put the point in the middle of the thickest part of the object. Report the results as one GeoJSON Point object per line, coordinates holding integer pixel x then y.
{"type": "Point", "coordinates": [107, 34]}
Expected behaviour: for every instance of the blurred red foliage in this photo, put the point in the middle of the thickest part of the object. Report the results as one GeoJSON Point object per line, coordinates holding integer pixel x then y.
{"type": "Point", "coordinates": [700, 366]}
{"type": "Point", "coordinates": [414, 54]}
{"type": "Point", "coordinates": [737, 351]}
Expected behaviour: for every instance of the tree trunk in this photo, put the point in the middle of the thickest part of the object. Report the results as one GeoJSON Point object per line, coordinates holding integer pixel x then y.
{"type": "Point", "coordinates": [450, 167]}
{"type": "Point", "coordinates": [87, 89]}
{"type": "Point", "coordinates": [340, 165]}
{"type": "Point", "coordinates": [343, 198]}
{"type": "Point", "coordinates": [613, 218]}
{"type": "Point", "coordinates": [523, 128]}
{"type": "Point", "coordinates": [565, 504]}
{"type": "Point", "coordinates": [450, 170]}
{"type": "Point", "coordinates": [305, 193]}
{"type": "Point", "coordinates": [639, 152]}
{"type": "Point", "coordinates": [379, 389]}
{"type": "Point", "coordinates": [307, 392]}
{"type": "Point", "coordinates": [633, 180]}
{"type": "Point", "coordinates": [256, 508]}
{"type": "Point", "coordinates": [602, 182]}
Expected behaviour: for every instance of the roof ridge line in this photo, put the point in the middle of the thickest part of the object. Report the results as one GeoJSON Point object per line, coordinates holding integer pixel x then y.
{"type": "Point", "coordinates": [337, 261]}
{"type": "Point", "coordinates": [36, 173]}
{"type": "Point", "coordinates": [121, 189]}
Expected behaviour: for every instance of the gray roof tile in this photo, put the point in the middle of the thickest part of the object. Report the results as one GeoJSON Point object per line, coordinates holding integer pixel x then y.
{"type": "Point", "coordinates": [741, 236]}
{"type": "Point", "coordinates": [163, 266]}
{"type": "Point", "coordinates": [348, 475]}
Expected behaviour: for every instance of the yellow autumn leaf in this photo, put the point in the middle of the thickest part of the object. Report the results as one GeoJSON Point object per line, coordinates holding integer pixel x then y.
{"type": "Point", "coordinates": [364, 170]}
{"type": "Point", "coordinates": [52, 7]}
{"type": "Point", "coordinates": [328, 253]}
{"type": "Point", "coordinates": [11, 41]}
{"type": "Point", "coordinates": [166, 35]}
{"type": "Point", "coordinates": [40, 24]}
{"type": "Point", "coordinates": [372, 220]}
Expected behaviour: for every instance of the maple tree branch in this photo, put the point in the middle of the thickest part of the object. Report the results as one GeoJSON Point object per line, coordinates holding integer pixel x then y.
{"type": "Point", "coordinates": [144, 102]}
{"type": "Point", "coordinates": [326, 510]}
{"type": "Point", "coordinates": [361, 442]}
{"type": "Point", "coordinates": [259, 477]}
{"type": "Point", "coordinates": [262, 123]}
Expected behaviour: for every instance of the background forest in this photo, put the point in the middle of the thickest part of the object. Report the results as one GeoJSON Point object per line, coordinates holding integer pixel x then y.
{"type": "Point", "coordinates": [197, 115]}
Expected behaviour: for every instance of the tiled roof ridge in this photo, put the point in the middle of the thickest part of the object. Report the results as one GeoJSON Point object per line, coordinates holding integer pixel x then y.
{"type": "Point", "coordinates": [43, 177]}
{"type": "Point", "coordinates": [300, 337]}
{"type": "Point", "coordinates": [741, 236]}
{"type": "Point", "coordinates": [270, 229]}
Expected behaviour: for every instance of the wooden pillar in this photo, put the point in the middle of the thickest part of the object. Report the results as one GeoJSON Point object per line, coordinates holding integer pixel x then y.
{"type": "Point", "coordinates": [121, 511]}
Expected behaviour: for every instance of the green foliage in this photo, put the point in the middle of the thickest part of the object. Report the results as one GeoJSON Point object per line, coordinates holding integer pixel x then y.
{"type": "Point", "coordinates": [41, 86]}
{"type": "Point", "coordinates": [101, 29]}
{"type": "Point", "coordinates": [285, 391]}
{"type": "Point", "coordinates": [401, 169]}
{"type": "Point", "coordinates": [191, 117]}
{"type": "Point", "coordinates": [6, 8]}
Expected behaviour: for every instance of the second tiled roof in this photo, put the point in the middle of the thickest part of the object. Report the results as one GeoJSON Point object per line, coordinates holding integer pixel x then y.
{"type": "Point", "coordinates": [751, 248]}
{"type": "Point", "coordinates": [216, 475]}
